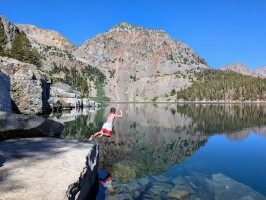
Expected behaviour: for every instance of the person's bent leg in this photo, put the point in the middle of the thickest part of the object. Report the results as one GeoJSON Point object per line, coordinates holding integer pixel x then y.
{"type": "Point", "coordinates": [105, 134]}
{"type": "Point", "coordinates": [95, 135]}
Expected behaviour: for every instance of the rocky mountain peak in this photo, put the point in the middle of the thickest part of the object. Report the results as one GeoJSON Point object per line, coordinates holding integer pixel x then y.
{"type": "Point", "coordinates": [238, 68]}
{"type": "Point", "coordinates": [138, 62]}
{"type": "Point", "coordinates": [261, 71]}
{"type": "Point", "coordinates": [124, 26]}
{"type": "Point", "coordinates": [46, 37]}
{"type": "Point", "coordinates": [243, 69]}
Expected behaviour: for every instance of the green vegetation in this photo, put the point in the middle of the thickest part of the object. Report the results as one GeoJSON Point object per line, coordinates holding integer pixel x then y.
{"type": "Point", "coordinates": [2, 40]}
{"type": "Point", "coordinates": [170, 57]}
{"type": "Point", "coordinates": [79, 129]}
{"type": "Point", "coordinates": [112, 73]}
{"type": "Point", "coordinates": [133, 77]}
{"type": "Point", "coordinates": [78, 81]}
{"type": "Point", "coordinates": [215, 118]}
{"type": "Point", "coordinates": [21, 50]}
{"type": "Point", "coordinates": [51, 50]}
{"type": "Point", "coordinates": [213, 85]}
{"type": "Point", "coordinates": [98, 78]}
{"type": "Point", "coordinates": [2, 52]}
{"type": "Point", "coordinates": [154, 99]}
{"type": "Point", "coordinates": [72, 78]}
{"type": "Point", "coordinates": [93, 74]}
{"type": "Point", "coordinates": [100, 97]}
{"type": "Point", "coordinates": [173, 92]}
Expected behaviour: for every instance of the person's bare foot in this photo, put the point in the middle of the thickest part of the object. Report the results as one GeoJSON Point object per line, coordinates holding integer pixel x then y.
{"type": "Point", "coordinates": [90, 139]}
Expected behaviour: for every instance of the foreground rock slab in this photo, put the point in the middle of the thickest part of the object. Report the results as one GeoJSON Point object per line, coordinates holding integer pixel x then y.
{"type": "Point", "coordinates": [47, 168]}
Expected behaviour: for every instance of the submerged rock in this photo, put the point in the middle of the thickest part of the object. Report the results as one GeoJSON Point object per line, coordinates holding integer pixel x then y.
{"type": "Point", "coordinates": [179, 194]}
{"type": "Point", "coordinates": [227, 188]}
{"type": "Point", "coordinates": [143, 181]}
{"type": "Point", "coordinates": [160, 188]}
{"type": "Point", "coordinates": [133, 186]}
{"type": "Point", "coordinates": [123, 172]}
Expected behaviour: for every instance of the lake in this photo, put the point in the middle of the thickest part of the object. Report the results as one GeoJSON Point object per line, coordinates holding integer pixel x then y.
{"type": "Point", "coordinates": [177, 151]}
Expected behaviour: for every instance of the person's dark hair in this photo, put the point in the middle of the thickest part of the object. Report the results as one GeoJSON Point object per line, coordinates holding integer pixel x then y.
{"type": "Point", "coordinates": [112, 110]}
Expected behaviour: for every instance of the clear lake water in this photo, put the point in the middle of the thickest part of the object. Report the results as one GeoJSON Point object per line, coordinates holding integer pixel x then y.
{"type": "Point", "coordinates": [177, 151]}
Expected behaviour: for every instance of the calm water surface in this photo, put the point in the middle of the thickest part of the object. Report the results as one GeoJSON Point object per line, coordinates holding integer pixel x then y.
{"type": "Point", "coordinates": [171, 151]}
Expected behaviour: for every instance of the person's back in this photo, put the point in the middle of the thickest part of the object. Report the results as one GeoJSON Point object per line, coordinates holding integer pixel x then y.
{"type": "Point", "coordinates": [110, 117]}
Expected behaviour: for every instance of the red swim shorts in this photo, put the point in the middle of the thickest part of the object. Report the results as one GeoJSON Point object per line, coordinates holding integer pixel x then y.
{"type": "Point", "coordinates": [106, 131]}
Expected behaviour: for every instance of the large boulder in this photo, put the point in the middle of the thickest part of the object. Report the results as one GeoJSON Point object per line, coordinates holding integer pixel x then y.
{"type": "Point", "coordinates": [30, 88]}
{"type": "Point", "coordinates": [16, 125]}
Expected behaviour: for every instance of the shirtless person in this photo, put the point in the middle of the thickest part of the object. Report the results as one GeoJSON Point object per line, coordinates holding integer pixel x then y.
{"type": "Point", "coordinates": [107, 126]}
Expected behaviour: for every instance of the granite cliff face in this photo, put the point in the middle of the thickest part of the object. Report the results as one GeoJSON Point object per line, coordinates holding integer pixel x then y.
{"type": "Point", "coordinates": [140, 64]}
{"type": "Point", "coordinates": [29, 87]}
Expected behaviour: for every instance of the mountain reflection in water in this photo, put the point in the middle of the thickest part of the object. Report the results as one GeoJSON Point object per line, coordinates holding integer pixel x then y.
{"type": "Point", "coordinates": [151, 138]}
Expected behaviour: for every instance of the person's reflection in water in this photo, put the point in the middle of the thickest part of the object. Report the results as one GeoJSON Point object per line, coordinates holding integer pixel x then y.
{"type": "Point", "coordinates": [97, 190]}
{"type": "Point", "coordinates": [107, 182]}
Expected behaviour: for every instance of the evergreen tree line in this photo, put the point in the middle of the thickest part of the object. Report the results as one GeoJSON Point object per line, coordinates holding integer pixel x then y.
{"type": "Point", "coordinates": [21, 48]}
{"type": "Point", "coordinates": [93, 74]}
{"type": "Point", "coordinates": [227, 118]}
{"type": "Point", "coordinates": [2, 39]}
{"type": "Point", "coordinates": [213, 85]}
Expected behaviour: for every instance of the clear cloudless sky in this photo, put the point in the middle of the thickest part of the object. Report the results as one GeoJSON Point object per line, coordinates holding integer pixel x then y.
{"type": "Point", "coordinates": [220, 31]}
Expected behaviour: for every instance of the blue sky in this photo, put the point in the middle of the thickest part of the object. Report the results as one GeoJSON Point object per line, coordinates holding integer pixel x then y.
{"type": "Point", "coordinates": [220, 31]}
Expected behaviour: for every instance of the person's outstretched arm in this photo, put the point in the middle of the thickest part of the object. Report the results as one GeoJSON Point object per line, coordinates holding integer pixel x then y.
{"type": "Point", "coordinates": [121, 114]}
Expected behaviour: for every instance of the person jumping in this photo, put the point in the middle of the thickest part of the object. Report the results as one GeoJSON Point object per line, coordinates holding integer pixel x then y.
{"type": "Point", "coordinates": [108, 125]}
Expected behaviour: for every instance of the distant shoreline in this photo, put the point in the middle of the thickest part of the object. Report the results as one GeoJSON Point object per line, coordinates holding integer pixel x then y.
{"type": "Point", "coordinates": [187, 102]}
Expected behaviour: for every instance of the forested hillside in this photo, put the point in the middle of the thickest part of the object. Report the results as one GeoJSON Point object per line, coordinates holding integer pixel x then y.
{"type": "Point", "coordinates": [214, 85]}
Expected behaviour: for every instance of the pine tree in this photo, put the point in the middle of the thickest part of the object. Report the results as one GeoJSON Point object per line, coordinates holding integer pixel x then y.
{"type": "Point", "coordinates": [84, 88]}
{"type": "Point", "coordinates": [21, 50]}
{"type": "Point", "coordinates": [2, 40]}
{"type": "Point", "coordinates": [35, 57]}
{"type": "Point", "coordinates": [2, 52]}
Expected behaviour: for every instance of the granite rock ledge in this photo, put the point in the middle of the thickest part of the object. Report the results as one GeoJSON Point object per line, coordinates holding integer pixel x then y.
{"type": "Point", "coordinates": [47, 168]}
